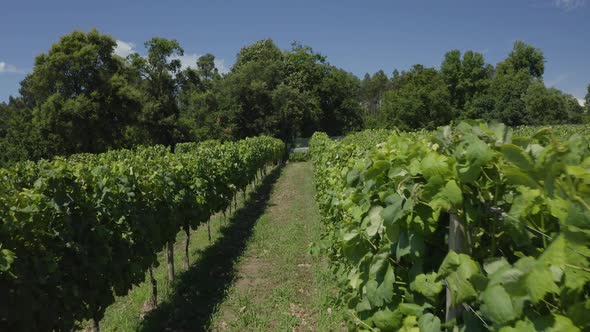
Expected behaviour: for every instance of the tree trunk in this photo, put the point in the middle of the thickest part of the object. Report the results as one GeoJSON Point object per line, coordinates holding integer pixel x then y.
{"type": "Point", "coordinates": [187, 230]}
{"type": "Point", "coordinates": [154, 287]}
{"type": "Point", "coordinates": [224, 217]}
{"type": "Point", "coordinates": [170, 261]}
{"type": "Point", "coordinates": [457, 243]}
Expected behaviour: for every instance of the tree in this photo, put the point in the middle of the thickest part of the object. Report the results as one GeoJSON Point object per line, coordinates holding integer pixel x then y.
{"type": "Point", "coordinates": [524, 56]}
{"type": "Point", "coordinates": [339, 101]}
{"type": "Point", "coordinates": [160, 86]}
{"type": "Point", "coordinates": [421, 101]}
{"type": "Point", "coordinates": [465, 77]}
{"type": "Point", "coordinates": [246, 102]}
{"type": "Point", "coordinates": [503, 101]}
{"type": "Point", "coordinates": [304, 72]}
{"type": "Point", "coordinates": [18, 140]}
{"type": "Point", "coordinates": [550, 106]}
{"type": "Point", "coordinates": [372, 91]}
{"type": "Point", "coordinates": [199, 100]}
{"type": "Point", "coordinates": [206, 67]}
{"type": "Point", "coordinates": [80, 96]}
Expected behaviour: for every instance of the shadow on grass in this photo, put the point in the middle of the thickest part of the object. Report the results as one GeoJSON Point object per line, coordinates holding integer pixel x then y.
{"type": "Point", "coordinates": [199, 290]}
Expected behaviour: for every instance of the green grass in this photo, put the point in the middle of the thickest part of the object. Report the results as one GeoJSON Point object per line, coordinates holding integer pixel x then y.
{"type": "Point", "coordinates": [281, 287]}
{"type": "Point", "coordinates": [256, 275]}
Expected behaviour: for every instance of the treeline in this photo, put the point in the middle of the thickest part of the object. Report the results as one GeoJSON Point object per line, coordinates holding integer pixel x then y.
{"type": "Point", "coordinates": [81, 97]}
{"type": "Point", "coordinates": [466, 87]}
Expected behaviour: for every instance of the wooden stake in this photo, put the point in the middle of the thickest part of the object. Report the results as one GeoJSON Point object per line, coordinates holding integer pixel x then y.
{"type": "Point", "coordinates": [170, 261]}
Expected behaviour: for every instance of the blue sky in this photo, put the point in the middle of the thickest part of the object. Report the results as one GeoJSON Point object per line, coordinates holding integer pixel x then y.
{"type": "Point", "coordinates": [359, 36]}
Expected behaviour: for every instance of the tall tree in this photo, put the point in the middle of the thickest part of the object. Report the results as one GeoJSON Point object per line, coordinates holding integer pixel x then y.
{"type": "Point", "coordinates": [304, 70]}
{"type": "Point", "coordinates": [80, 96]}
{"type": "Point", "coordinates": [372, 90]}
{"type": "Point", "coordinates": [198, 100]}
{"type": "Point", "coordinates": [18, 139]}
{"type": "Point", "coordinates": [247, 102]}
{"type": "Point", "coordinates": [524, 57]}
{"type": "Point", "coordinates": [550, 106]}
{"type": "Point", "coordinates": [160, 87]}
{"type": "Point", "coordinates": [421, 101]}
{"type": "Point", "coordinates": [465, 77]}
{"type": "Point", "coordinates": [339, 101]}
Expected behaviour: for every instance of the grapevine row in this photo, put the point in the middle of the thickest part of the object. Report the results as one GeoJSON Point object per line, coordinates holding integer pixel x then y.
{"type": "Point", "coordinates": [467, 227]}
{"type": "Point", "coordinates": [76, 232]}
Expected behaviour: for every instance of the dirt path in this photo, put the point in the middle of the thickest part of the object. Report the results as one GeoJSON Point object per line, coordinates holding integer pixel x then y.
{"type": "Point", "coordinates": [279, 286]}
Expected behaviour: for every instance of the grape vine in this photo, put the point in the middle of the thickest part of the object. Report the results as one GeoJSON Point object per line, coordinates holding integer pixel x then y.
{"type": "Point", "coordinates": [75, 232]}
{"type": "Point", "coordinates": [515, 210]}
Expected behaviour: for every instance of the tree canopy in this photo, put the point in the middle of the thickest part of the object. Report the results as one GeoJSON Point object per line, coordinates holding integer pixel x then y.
{"type": "Point", "coordinates": [81, 97]}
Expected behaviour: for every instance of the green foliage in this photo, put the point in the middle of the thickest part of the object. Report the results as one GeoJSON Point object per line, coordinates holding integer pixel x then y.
{"type": "Point", "coordinates": [297, 156]}
{"type": "Point", "coordinates": [75, 91]}
{"type": "Point", "coordinates": [524, 57]}
{"type": "Point", "coordinates": [422, 100]}
{"type": "Point", "coordinates": [386, 204]}
{"type": "Point", "coordinates": [466, 77]}
{"type": "Point", "coordinates": [160, 86]}
{"type": "Point", "coordinates": [76, 232]}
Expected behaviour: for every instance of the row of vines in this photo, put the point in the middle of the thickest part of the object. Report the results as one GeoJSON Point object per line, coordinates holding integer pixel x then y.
{"type": "Point", "coordinates": [76, 232]}
{"type": "Point", "coordinates": [473, 227]}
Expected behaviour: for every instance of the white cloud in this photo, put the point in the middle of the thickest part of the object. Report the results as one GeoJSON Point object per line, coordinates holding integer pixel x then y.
{"type": "Point", "coordinates": [124, 49]}
{"type": "Point", "coordinates": [220, 64]}
{"type": "Point", "coordinates": [569, 4]}
{"type": "Point", "coordinates": [190, 61]}
{"type": "Point", "coordinates": [581, 101]}
{"type": "Point", "coordinates": [551, 83]}
{"type": "Point", "coordinates": [8, 68]}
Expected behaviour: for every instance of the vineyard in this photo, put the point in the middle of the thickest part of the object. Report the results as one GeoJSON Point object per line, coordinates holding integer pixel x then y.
{"type": "Point", "coordinates": [78, 231]}
{"type": "Point", "coordinates": [472, 227]}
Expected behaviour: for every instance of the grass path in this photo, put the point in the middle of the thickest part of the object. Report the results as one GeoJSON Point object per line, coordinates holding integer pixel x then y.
{"type": "Point", "coordinates": [279, 285]}
{"type": "Point", "coordinates": [256, 275]}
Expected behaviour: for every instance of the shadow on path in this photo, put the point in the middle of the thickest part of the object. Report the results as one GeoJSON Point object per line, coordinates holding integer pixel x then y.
{"type": "Point", "coordinates": [198, 290]}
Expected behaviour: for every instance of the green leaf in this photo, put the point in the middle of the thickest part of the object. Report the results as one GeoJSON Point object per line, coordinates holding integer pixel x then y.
{"type": "Point", "coordinates": [518, 177]}
{"type": "Point", "coordinates": [539, 282]}
{"type": "Point", "coordinates": [429, 323]}
{"type": "Point", "coordinates": [493, 265]}
{"type": "Point", "coordinates": [375, 221]}
{"type": "Point", "coordinates": [520, 326]}
{"type": "Point", "coordinates": [387, 320]}
{"type": "Point", "coordinates": [457, 269]}
{"type": "Point", "coordinates": [6, 259]}
{"type": "Point", "coordinates": [517, 156]}
{"type": "Point", "coordinates": [497, 305]}
{"type": "Point", "coordinates": [381, 292]}
{"type": "Point", "coordinates": [410, 243]}
{"type": "Point", "coordinates": [435, 164]}
{"type": "Point", "coordinates": [448, 197]}
{"type": "Point", "coordinates": [352, 178]}
{"type": "Point", "coordinates": [427, 285]}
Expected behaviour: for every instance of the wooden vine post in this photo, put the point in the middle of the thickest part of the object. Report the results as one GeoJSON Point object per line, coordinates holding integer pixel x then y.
{"type": "Point", "coordinates": [154, 287]}
{"type": "Point", "coordinates": [170, 256]}
{"type": "Point", "coordinates": [187, 230]}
